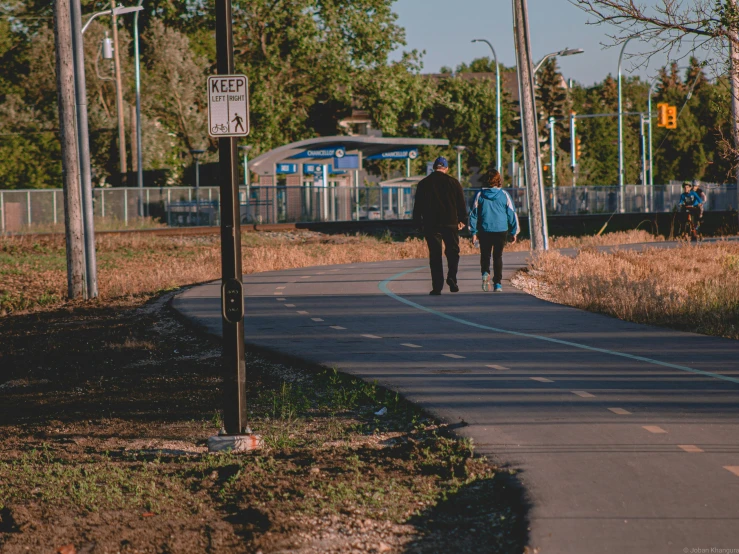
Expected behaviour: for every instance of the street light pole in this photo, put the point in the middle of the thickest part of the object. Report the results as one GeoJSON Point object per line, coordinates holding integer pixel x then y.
{"type": "Point", "coordinates": [553, 162]}
{"type": "Point", "coordinates": [499, 142]}
{"type": "Point", "coordinates": [137, 71]}
{"type": "Point", "coordinates": [122, 162]}
{"type": "Point", "coordinates": [459, 150]}
{"type": "Point", "coordinates": [83, 139]}
{"type": "Point", "coordinates": [245, 149]}
{"type": "Point", "coordinates": [196, 157]}
{"type": "Point", "coordinates": [561, 54]}
{"type": "Point", "coordinates": [621, 133]}
{"type": "Point", "coordinates": [83, 142]}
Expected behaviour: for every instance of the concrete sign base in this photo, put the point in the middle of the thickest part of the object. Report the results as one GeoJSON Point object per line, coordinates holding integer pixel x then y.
{"type": "Point", "coordinates": [234, 443]}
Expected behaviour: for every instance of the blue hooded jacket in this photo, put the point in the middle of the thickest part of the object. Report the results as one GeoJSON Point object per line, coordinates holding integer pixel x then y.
{"type": "Point", "coordinates": [493, 212]}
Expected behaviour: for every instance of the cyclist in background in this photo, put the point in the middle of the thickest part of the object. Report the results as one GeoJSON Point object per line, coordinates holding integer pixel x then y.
{"type": "Point", "coordinates": [700, 192]}
{"type": "Point", "coordinates": [690, 203]}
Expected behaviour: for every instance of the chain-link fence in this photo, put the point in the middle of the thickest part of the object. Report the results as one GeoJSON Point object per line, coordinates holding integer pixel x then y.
{"type": "Point", "coordinates": [120, 208]}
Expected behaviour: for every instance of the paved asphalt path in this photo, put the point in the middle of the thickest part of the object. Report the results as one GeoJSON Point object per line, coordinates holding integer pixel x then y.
{"type": "Point", "coordinates": [626, 436]}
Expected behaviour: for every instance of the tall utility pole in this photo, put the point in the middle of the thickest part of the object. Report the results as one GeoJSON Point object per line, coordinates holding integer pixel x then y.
{"type": "Point", "coordinates": [119, 99]}
{"type": "Point", "coordinates": [235, 420]}
{"type": "Point", "coordinates": [70, 161]}
{"type": "Point", "coordinates": [734, 80]}
{"type": "Point", "coordinates": [529, 127]}
{"type": "Point", "coordinates": [83, 145]}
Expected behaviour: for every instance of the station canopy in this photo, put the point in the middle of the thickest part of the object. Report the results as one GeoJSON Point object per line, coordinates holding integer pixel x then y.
{"type": "Point", "coordinates": [318, 150]}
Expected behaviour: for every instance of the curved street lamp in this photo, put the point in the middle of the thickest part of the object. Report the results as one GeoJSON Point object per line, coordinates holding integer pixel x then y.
{"type": "Point", "coordinates": [115, 11]}
{"type": "Point", "coordinates": [498, 151]}
{"type": "Point", "coordinates": [560, 54]}
{"type": "Point", "coordinates": [621, 131]}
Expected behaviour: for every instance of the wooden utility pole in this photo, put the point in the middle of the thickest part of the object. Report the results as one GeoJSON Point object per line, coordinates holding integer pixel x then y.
{"type": "Point", "coordinates": [734, 80]}
{"type": "Point", "coordinates": [529, 127]}
{"type": "Point", "coordinates": [119, 99]}
{"type": "Point", "coordinates": [70, 159]}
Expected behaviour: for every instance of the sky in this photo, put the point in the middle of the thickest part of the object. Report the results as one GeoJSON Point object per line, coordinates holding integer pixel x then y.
{"type": "Point", "coordinates": [444, 29]}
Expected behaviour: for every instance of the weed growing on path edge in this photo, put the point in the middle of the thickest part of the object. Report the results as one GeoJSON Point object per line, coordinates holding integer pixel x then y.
{"type": "Point", "coordinates": [103, 447]}
{"type": "Point", "coordinates": [690, 288]}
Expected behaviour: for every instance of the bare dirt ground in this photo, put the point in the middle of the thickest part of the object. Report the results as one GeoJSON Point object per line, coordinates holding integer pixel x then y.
{"type": "Point", "coordinates": [105, 415]}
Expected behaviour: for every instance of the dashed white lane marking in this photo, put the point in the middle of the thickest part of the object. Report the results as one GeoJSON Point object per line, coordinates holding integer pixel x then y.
{"type": "Point", "coordinates": [410, 345]}
{"type": "Point", "coordinates": [455, 356]}
{"type": "Point", "coordinates": [371, 336]}
{"type": "Point", "coordinates": [321, 273]}
{"type": "Point", "coordinates": [693, 449]}
{"type": "Point", "coordinates": [384, 287]}
{"type": "Point", "coordinates": [305, 277]}
{"type": "Point", "coordinates": [289, 305]}
{"type": "Point", "coordinates": [280, 288]}
{"type": "Point", "coordinates": [316, 319]}
{"type": "Point", "coordinates": [498, 367]}
{"type": "Point", "coordinates": [281, 299]}
{"type": "Point", "coordinates": [619, 411]}
{"type": "Point", "coordinates": [302, 312]}
{"type": "Point", "coordinates": [656, 429]}
{"type": "Point", "coordinates": [338, 328]}
{"type": "Point", "coordinates": [335, 270]}
{"type": "Point", "coordinates": [583, 394]}
{"type": "Point", "coordinates": [733, 469]}
{"type": "Point", "coordinates": [542, 379]}
{"type": "Point", "coordinates": [279, 292]}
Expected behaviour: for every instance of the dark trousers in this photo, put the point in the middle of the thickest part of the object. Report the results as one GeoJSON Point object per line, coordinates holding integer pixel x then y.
{"type": "Point", "coordinates": [450, 237]}
{"type": "Point", "coordinates": [492, 243]}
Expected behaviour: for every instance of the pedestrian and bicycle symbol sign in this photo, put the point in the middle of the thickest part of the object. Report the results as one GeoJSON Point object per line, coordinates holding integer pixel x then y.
{"type": "Point", "coordinates": [228, 106]}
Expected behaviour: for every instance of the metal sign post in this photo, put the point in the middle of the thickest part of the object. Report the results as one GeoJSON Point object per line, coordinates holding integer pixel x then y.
{"type": "Point", "coordinates": [228, 115]}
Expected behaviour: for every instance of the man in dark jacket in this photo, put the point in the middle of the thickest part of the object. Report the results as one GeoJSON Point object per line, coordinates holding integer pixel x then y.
{"type": "Point", "coordinates": [440, 212]}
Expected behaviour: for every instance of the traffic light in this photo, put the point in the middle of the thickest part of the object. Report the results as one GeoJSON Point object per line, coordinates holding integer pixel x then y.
{"type": "Point", "coordinates": [662, 114]}
{"type": "Point", "coordinates": [671, 121]}
{"type": "Point", "coordinates": [578, 148]}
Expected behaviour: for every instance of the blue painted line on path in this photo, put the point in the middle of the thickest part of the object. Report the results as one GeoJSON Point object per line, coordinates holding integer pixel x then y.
{"type": "Point", "coordinates": [385, 289]}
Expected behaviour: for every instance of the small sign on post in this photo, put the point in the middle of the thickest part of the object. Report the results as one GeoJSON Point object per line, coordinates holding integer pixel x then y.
{"type": "Point", "coordinates": [228, 106]}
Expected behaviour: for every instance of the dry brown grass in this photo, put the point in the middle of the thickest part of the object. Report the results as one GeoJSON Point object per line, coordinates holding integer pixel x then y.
{"type": "Point", "coordinates": [33, 269]}
{"type": "Point", "coordinates": [690, 288]}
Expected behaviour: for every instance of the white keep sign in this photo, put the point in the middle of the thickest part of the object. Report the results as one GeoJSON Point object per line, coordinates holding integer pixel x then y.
{"type": "Point", "coordinates": [228, 106]}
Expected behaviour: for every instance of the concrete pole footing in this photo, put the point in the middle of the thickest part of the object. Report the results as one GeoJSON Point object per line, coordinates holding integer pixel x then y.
{"type": "Point", "coordinates": [234, 443]}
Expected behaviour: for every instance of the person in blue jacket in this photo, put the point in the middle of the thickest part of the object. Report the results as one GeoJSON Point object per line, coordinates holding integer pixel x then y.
{"type": "Point", "coordinates": [492, 220]}
{"type": "Point", "coordinates": [690, 203]}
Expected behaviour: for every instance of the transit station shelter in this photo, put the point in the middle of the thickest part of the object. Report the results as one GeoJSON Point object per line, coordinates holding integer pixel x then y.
{"type": "Point", "coordinates": [319, 178]}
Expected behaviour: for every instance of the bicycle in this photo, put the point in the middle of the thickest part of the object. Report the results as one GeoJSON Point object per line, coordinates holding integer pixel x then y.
{"type": "Point", "coordinates": [219, 128]}
{"type": "Point", "coordinates": [691, 226]}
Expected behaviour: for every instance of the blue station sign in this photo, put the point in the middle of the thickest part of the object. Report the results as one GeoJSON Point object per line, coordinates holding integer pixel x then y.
{"type": "Point", "coordinates": [287, 169]}
{"type": "Point", "coordinates": [330, 152]}
{"type": "Point", "coordinates": [350, 161]}
{"type": "Point", "coordinates": [312, 169]}
{"type": "Point", "coordinates": [406, 154]}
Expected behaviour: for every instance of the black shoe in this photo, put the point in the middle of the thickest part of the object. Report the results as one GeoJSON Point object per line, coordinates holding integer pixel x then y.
{"type": "Point", "coordinates": [435, 293]}
{"type": "Point", "coordinates": [452, 285]}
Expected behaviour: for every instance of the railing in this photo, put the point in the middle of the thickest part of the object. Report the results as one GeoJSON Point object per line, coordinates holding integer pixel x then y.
{"type": "Point", "coordinates": [41, 210]}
